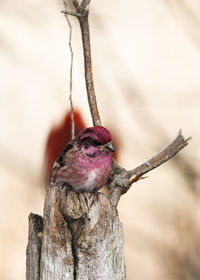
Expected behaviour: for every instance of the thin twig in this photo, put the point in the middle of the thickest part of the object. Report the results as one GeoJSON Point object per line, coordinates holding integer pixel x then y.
{"type": "Point", "coordinates": [71, 72]}
{"type": "Point", "coordinates": [85, 4]}
{"type": "Point", "coordinates": [88, 70]}
{"type": "Point", "coordinates": [71, 13]}
{"type": "Point", "coordinates": [82, 15]}
{"type": "Point", "coordinates": [165, 154]}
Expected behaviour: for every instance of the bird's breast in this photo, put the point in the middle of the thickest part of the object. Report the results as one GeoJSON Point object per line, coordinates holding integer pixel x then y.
{"type": "Point", "coordinates": [91, 181]}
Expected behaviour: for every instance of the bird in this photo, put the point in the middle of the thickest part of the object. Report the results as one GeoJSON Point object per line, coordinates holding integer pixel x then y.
{"type": "Point", "coordinates": [85, 163]}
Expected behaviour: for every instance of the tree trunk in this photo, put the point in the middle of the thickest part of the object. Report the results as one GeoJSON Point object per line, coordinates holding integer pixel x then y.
{"type": "Point", "coordinates": [82, 238]}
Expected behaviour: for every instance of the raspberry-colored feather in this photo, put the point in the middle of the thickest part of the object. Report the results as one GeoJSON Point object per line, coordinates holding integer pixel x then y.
{"type": "Point", "coordinates": [85, 163]}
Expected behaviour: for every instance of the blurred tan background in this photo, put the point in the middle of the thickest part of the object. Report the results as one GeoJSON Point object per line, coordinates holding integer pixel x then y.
{"type": "Point", "coordinates": [146, 60]}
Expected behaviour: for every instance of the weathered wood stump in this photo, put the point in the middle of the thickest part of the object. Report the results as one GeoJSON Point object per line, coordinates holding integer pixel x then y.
{"type": "Point", "coordinates": [80, 237]}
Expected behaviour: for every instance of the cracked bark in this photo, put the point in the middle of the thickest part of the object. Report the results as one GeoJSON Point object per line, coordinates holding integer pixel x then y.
{"type": "Point", "coordinates": [79, 241]}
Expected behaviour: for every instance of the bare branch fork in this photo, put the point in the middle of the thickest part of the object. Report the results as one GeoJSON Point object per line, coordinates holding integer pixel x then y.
{"type": "Point", "coordinates": [75, 241]}
{"type": "Point", "coordinates": [120, 179]}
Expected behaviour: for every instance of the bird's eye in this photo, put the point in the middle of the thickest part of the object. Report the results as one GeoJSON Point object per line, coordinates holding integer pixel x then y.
{"type": "Point", "coordinates": [91, 141]}
{"type": "Point", "coordinates": [96, 143]}
{"type": "Point", "coordinates": [87, 139]}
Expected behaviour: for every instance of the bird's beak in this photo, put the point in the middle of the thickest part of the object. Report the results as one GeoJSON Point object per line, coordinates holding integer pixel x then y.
{"type": "Point", "coordinates": [110, 146]}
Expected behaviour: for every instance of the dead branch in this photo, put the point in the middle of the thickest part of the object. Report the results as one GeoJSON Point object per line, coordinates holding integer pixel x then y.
{"type": "Point", "coordinates": [71, 72]}
{"type": "Point", "coordinates": [165, 154]}
{"type": "Point", "coordinates": [120, 179]}
{"type": "Point", "coordinates": [82, 15]}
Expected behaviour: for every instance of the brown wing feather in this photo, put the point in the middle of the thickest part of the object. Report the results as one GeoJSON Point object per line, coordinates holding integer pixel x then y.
{"type": "Point", "coordinates": [60, 161]}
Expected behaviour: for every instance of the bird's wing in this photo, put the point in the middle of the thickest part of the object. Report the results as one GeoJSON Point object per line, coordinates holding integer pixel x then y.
{"type": "Point", "coordinates": [60, 161]}
{"type": "Point", "coordinates": [61, 158]}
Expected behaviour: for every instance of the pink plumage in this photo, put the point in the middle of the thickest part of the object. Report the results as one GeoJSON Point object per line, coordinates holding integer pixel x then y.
{"type": "Point", "coordinates": [85, 163]}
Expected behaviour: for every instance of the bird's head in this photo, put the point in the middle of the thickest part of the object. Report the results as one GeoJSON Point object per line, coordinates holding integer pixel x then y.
{"type": "Point", "coordinates": [97, 137]}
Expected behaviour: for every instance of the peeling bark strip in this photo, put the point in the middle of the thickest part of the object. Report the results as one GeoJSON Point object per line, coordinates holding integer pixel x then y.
{"type": "Point", "coordinates": [33, 251]}
{"type": "Point", "coordinates": [79, 241]}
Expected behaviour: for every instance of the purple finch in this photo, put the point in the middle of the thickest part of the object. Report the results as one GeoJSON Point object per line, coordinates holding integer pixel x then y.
{"type": "Point", "coordinates": [86, 162]}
